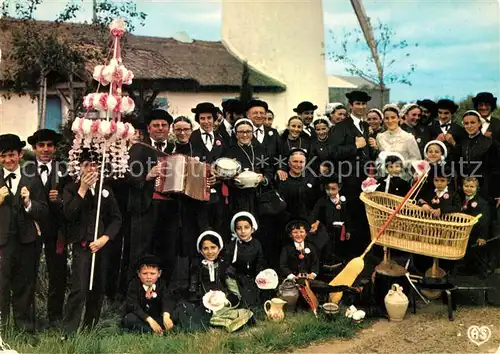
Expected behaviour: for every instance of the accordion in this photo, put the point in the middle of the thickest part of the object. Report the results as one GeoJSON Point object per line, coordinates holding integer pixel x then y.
{"type": "Point", "coordinates": [182, 174]}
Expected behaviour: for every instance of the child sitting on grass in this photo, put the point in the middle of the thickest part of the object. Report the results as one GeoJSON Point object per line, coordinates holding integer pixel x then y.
{"type": "Point", "coordinates": [244, 254]}
{"type": "Point", "coordinates": [148, 307]}
{"type": "Point", "coordinates": [299, 259]}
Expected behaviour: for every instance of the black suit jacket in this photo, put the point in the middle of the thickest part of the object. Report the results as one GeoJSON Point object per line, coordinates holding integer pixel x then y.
{"type": "Point", "coordinates": [455, 130]}
{"type": "Point", "coordinates": [80, 213]}
{"type": "Point", "coordinates": [271, 143]}
{"type": "Point", "coordinates": [53, 226]}
{"type": "Point", "coordinates": [26, 227]}
{"type": "Point", "coordinates": [221, 130]}
{"type": "Point", "coordinates": [494, 129]}
{"type": "Point", "coordinates": [138, 304]}
{"type": "Point", "coordinates": [143, 157]}
{"type": "Point", "coordinates": [208, 156]}
{"type": "Point", "coordinates": [343, 142]}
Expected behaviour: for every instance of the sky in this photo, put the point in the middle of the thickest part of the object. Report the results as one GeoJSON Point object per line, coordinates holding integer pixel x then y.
{"type": "Point", "coordinates": [458, 51]}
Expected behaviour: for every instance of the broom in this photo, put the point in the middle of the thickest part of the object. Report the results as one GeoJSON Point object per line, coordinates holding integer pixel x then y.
{"type": "Point", "coordinates": [352, 270]}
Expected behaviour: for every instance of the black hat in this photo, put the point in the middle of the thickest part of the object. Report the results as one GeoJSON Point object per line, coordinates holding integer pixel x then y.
{"type": "Point", "coordinates": [149, 260]}
{"type": "Point", "coordinates": [296, 223]}
{"type": "Point", "coordinates": [334, 178]}
{"type": "Point", "coordinates": [486, 97]}
{"type": "Point", "coordinates": [257, 103]}
{"type": "Point", "coordinates": [11, 142]}
{"type": "Point", "coordinates": [359, 96]}
{"type": "Point", "coordinates": [304, 107]}
{"type": "Point", "coordinates": [429, 105]}
{"type": "Point", "coordinates": [447, 104]}
{"type": "Point", "coordinates": [204, 107]}
{"type": "Point", "coordinates": [138, 125]}
{"type": "Point", "coordinates": [158, 114]}
{"type": "Point", "coordinates": [87, 154]}
{"type": "Point", "coordinates": [233, 106]}
{"type": "Point", "coordinates": [44, 135]}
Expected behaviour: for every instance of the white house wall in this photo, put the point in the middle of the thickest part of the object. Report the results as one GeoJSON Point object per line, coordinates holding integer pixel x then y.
{"type": "Point", "coordinates": [284, 40]}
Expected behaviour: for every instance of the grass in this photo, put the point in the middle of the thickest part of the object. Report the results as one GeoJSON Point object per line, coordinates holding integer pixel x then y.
{"type": "Point", "coordinates": [297, 330]}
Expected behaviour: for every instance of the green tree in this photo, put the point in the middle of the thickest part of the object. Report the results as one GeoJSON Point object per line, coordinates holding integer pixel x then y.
{"type": "Point", "coordinates": [246, 92]}
{"type": "Point", "coordinates": [390, 51]}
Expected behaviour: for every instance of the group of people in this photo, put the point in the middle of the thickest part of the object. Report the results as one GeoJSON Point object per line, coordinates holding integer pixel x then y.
{"type": "Point", "coordinates": [302, 216]}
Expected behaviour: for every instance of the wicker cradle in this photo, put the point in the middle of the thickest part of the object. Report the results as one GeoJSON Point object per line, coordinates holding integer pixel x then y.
{"type": "Point", "coordinates": [412, 230]}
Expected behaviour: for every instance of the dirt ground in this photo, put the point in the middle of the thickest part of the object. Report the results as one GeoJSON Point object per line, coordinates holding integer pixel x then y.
{"type": "Point", "coordinates": [427, 331]}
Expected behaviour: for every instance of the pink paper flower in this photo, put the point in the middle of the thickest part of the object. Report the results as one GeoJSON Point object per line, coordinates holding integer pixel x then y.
{"type": "Point", "coordinates": [218, 143]}
{"type": "Point", "coordinates": [435, 201]}
{"type": "Point", "coordinates": [369, 185]}
{"type": "Point", "coordinates": [421, 167]}
{"type": "Point", "coordinates": [473, 204]}
{"type": "Point", "coordinates": [446, 196]}
{"type": "Point", "coordinates": [338, 207]}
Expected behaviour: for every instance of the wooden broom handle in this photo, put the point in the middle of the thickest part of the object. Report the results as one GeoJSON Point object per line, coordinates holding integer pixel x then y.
{"type": "Point", "coordinates": [389, 219]}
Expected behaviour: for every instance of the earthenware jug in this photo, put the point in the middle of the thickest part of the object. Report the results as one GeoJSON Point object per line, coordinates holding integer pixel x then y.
{"type": "Point", "coordinates": [396, 303]}
{"type": "Point", "coordinates": [274, 311]}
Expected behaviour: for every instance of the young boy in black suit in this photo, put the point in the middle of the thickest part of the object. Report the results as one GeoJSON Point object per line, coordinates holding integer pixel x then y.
{"type": "Point", "coordinates": [148, 306]}
{"type": "Point", "coordinates": [80, 200]}
{"type": "Point", "coordinates": [22, 209]}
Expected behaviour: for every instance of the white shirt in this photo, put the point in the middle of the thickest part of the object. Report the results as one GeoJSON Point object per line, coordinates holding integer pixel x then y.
{"type": "Point", "coordinates": [445, 130]}
{"type": "Point", "coordinates": [44, 176]}
{"type": "Point", "coordinates": [357, 122]}
{"type": "Point", "coordinates": [228, 127]}
{"type": "Point", "coordinates": [14, 182]}
{"type": "Point", "coordinates": [484, 124]}
{"type": "Point", "coordinates": [259, 133]}
{"type": "Point", "coordinates": [440, 194]}
{"type": "Point", "coordinates": [208, 140]}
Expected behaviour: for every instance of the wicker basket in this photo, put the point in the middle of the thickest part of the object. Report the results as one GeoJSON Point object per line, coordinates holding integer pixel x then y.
{"type": "Point", "coordinates": [412, 230]}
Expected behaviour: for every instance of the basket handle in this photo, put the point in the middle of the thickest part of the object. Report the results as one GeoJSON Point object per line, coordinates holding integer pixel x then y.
{"type": "Point", "coordinates": [398, 208]}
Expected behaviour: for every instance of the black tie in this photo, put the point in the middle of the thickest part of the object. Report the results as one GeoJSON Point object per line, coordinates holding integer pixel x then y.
{"type": "Point", "coordinates": [44, 169]}
{"type": "Point", "coordinates": [207, 136]}
{"type": "Point", "coordinates": [9, 178]}
{"type": "Point", "coordinates": [159, 145]}
{"type": "Point", "coordinates": [446, 125]}
{"type": "Point", "coordinates": [259, 131]}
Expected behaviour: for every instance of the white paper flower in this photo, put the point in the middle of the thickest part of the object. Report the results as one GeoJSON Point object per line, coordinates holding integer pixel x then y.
{"type": "Point", "coordinates": [105, 128]}
{"type": "Point", "coordinates": [105, 193]}
{"type": "Point", "coordinates": [214, 300]}
{"type": "Point", "coordinates": [350, 311]}
{"type": "Point", "coordinates": [127, 105]}
{"type": "Point", "coordinates": [309, 185]}
{"type": "Point", "coordinates": [120, 128]}
{"type": "Point", "coordinates": [111, 102]}
{"type": "Point", "coordinates": [342, 198]}
{"type": "Point", "coordinates": [75, 127]}
{"type": "Point", "coordinates": [270, 133]}
{"type": "Point", "coordinates": [86, 126]}
{"type": "Point", "coordinates": [358, 315]}
{"type": "Point", "coordinates": [131, 131]}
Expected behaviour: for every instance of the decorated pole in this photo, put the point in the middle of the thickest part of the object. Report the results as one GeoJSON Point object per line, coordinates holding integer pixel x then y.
{"type": "Point", "coordinates": [107, 139]}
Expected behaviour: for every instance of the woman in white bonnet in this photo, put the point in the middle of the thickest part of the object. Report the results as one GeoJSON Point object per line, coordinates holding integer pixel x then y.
{"type": "Point", "coordinates": [335, 112]}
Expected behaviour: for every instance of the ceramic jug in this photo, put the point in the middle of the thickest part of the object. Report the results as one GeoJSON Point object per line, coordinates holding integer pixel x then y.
{"type": "Point", "coordinates": [396, 303]}
{"type": "Point", "coordinates": [275, 310]}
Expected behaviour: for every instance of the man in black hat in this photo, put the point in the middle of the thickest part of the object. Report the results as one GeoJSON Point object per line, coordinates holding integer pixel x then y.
{"type": "Point", "coordinates": [444, 129]}
{"type": "Point", "coordinates": [265, 136]}
{"type": "Point", "coordinates": [429, 111]}
{"type": "Point", "coordinates": [305, 110]}
{"type": "Point", "coordinates": [153, 221]}
{"type": "Point", "coordinates": [354, 157]}
{"type": "Point", "coordinates": [54, 177]}
{"type": "Point", "coordinates": [211, 145]}
{"type": "Point", "coordinates": [232, 110]}
{"type": "Point", "coordinates": [22, 210]}
{"type": "Point", "coordinates": [485, 103]}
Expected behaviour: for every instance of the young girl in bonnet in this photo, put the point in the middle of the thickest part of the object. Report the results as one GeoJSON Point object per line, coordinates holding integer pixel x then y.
{"type": "Point", "coordinates": [244, 254]}
{"type": "Point", "coordinates": [213, 293]}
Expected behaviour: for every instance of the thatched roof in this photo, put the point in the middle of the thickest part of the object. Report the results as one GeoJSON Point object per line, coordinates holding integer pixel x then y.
{"type": "Point", "coordinates": [208, 65]}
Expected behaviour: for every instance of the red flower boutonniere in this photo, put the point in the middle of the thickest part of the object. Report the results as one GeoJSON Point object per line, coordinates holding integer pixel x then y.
{"type": "Point", "coordinates": [218, 142]}
{"type": "Point", "coordinates": [446, 196]}
{"type": "Point", "coordinates": [473, 204]}
{"type": "Point", "coordinates": [151, 294]}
